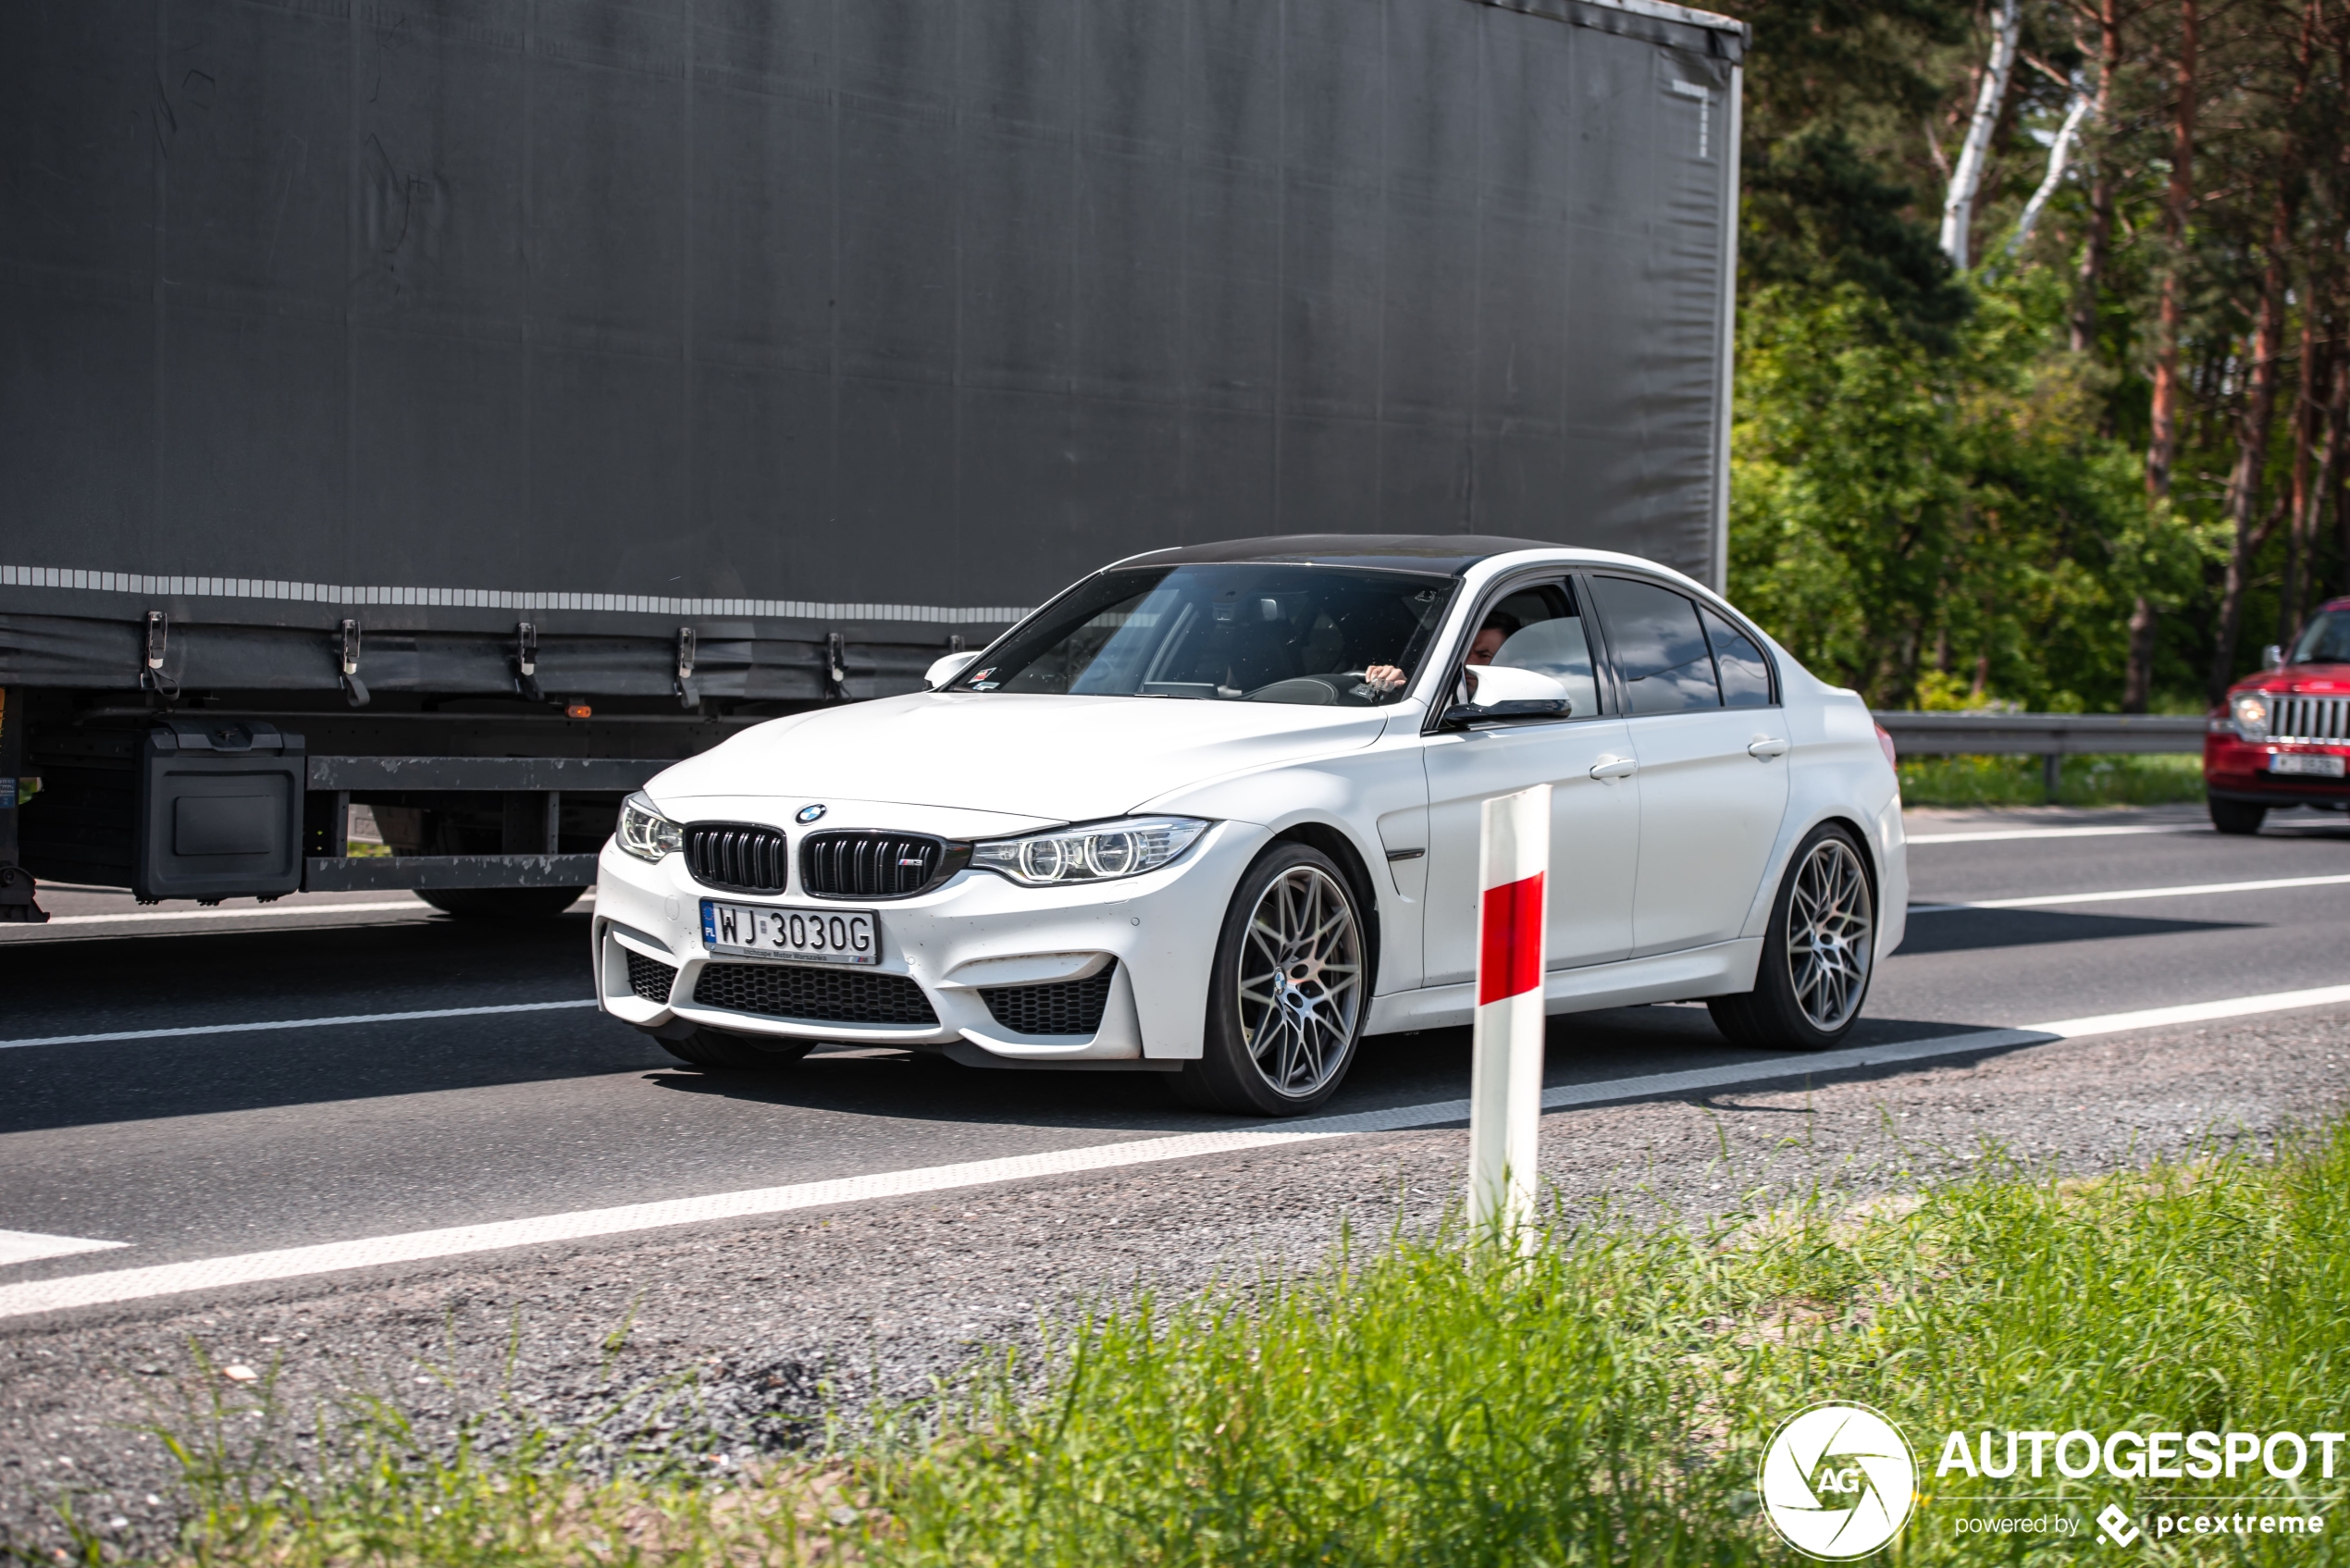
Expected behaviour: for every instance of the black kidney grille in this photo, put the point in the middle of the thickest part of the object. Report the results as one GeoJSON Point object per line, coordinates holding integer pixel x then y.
{"type": "Point", "coordinates": [740, 856]}
{"type": "Point", "coordinates": [1065, 1007]}
{"type": "Point", "coordinates": [650, 978]}
{"type": "Point", "coordinates": [813, 994]}
{"type": "Point", "coordinates": [869, 864]}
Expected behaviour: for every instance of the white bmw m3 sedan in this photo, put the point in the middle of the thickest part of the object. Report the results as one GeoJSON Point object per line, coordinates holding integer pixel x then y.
{"type": "Point", "coordinates": [1214, 810]}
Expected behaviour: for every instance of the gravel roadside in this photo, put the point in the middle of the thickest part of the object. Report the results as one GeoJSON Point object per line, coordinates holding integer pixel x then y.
{"type": "Point", "coordinates": [772, 1320]}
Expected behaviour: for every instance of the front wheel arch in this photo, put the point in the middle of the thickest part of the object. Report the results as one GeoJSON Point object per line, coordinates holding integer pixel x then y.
{"type": "Point", "coordinates": [1229, 1074]}
{"type": "Point", "coordinates": [1334, 843]}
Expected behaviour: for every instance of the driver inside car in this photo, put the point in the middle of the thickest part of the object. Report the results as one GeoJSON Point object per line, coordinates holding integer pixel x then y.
{"type": "Point", "coordinates": [1482, 648]}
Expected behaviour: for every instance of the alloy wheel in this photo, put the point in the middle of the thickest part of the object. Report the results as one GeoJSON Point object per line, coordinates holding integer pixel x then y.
{"type": "Point", "coordinates": [1301, 970]}
{"type": "Point", "coordinates": [1830, 930]}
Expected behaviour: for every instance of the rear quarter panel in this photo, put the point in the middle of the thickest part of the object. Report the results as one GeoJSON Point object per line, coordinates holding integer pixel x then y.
{"type": "Point", "coordinates": [1838, 773]}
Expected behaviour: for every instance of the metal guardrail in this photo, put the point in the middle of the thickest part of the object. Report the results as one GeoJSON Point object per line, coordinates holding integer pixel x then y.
{"type": "Point", "coordinates": [2049, 736]}
{"type": "Point", "coordinates": [2041, 735]}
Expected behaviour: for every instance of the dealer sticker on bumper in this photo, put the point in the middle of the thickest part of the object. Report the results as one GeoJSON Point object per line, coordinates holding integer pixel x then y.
{"type": "Point", "coordinates": [803, 936]}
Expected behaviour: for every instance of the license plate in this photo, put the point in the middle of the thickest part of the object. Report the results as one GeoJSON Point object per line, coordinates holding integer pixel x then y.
{"type": "Point", "coordinates": [803, 936]}
{"type": "Point", "coordinates": [2316, 764]}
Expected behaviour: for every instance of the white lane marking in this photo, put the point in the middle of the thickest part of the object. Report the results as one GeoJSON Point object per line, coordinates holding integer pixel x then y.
{"type": "Point", "coordinates": [2043, 900]}
{"type": "Point", "coordinates": [1994, 835]}
{"type": "Point", "coordinates": [29, 1246]}
{"type": "Point", "coordinates": [294, 1023]}
{"type": "Point", "coordinates": [2197, 1012]}
{"type": "Point", "coordinates": [416, 1246]}
{"type": "Point", "coordinates": [369, 909]}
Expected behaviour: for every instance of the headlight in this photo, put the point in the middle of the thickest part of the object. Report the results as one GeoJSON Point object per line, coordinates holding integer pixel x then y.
{"type": "Point", "coordinates": [2250, 711]}
{"type": "Point", "coordinates": [645, 833]}
{"type": "Point", "coordinates": [1097, 852]}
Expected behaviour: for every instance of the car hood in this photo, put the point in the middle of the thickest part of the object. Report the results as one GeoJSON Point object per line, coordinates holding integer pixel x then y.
{"type": "Point", "coordinates": [2295, 678]}
{"type": "Point", "coordinates": [1064, 758]}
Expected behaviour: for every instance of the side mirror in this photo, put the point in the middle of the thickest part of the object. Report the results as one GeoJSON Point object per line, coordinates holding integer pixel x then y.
{"type": "Point", "coordinates": [1461, 715]}
{"type": "Point", "coordinates": [2272, 657]}
{"type": "Point", "coordinates": [942, 671]}
{"type": "Point", "coordinates": [1506, 692]}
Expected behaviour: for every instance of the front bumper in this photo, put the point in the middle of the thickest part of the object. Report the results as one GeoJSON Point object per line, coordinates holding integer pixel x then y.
{"type": "Point", "coordinates": [977, 933]}
{"type": "Point", "coordinates": [2237, 770]}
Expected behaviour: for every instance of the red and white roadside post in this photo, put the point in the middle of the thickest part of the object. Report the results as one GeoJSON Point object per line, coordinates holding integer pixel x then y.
{"type": "Point", "coordinates": [1505, 1074]}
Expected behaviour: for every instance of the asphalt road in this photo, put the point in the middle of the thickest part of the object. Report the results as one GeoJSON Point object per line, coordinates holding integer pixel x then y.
{"type": "Point", "coordinates": [199, 1144]}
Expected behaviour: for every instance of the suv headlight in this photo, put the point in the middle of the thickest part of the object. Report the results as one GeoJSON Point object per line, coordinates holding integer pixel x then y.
{"type": "Point", "coordinates": [1096, 852]}
{"type": "Point", "coordinates": [645, 833]}
{"type": "Point", "coordinates": [2250, 712]}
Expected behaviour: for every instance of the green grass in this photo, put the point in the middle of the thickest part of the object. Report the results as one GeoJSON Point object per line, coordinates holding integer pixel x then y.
{"type": "Point", "coordinates": [1433, 1402]}
{"type": "Point", "coordinates": [2018, 780]}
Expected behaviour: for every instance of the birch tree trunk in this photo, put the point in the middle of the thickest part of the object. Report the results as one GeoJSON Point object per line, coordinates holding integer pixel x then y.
{"type": "Point", "coordinates": [2059, 151]}
{"type": "Point", "coordinates": [1966, 175]}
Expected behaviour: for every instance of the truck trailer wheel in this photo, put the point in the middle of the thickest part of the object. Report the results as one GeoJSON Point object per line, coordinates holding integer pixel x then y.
{"type": "Point", "coordinates": [500, 902]}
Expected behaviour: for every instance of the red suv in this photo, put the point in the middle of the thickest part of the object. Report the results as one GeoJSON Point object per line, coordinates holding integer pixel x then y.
{"type": "Point", "coordinates": [2283, 737]}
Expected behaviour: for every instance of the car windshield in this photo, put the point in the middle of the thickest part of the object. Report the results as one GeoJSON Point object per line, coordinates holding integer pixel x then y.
{"type": "Point", "coordinates": [1317, 636]}
{"type": "Point", "coordinates": [2325, 640]}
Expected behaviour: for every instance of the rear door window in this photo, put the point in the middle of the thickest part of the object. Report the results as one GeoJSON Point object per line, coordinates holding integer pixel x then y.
{"type": "Point", "coordinates": [1659, 646]}
{"type": "Point", "coordinates": [1746, 677]}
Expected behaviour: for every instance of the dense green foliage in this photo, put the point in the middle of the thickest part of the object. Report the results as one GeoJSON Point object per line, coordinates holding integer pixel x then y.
{"type": "Point", "coordinates": [1900, 509]}
{"type": "Point", "coordinates": [2020, 781]}
{"type": "Point", "coordinates": [1603, 1400]}
{"type": "Point", "coordinates": [1946, 475]}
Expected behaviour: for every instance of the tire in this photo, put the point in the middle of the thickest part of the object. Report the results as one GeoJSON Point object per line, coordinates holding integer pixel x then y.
{"type": "Point", "coordinates": [731, 1052]}
{"type": "Point", "coordinates": [1294, 924]}
{"type": "Point", "coordinates": [2237, 815]}
{"type": "Point", "coordinates": [1812, 981]}
{"type": "Point", "coordinates": [500, 902]}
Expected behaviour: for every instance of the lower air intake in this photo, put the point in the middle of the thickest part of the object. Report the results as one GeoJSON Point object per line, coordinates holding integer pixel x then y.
{"type": "Point", "coordinates": [1065, 1007]}
{"type": "Point", "coordinates": [808, 994]}
{"type": "Point", "coordinates": [650, 978]}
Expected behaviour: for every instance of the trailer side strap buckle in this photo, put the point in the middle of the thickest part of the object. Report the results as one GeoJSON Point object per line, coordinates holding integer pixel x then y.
{"type": "Point", "coordinates": [527, 662]}
{"type": "Point", "coordinates": [687, 696]}
{"type": "Point", "coordinates": [151, 677]}
{"type": "Point", "coordinates": [354, 690]}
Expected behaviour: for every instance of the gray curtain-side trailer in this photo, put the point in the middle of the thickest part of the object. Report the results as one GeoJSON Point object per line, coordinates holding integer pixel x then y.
{"type": "Point", "coordinates": [463, 410]}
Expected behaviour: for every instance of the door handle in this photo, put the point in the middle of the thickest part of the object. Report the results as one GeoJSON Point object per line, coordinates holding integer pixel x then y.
{"type": "Point", "coordinates": [1765, 748]}
{"type": "Point", "coordinates": [1612, 767]}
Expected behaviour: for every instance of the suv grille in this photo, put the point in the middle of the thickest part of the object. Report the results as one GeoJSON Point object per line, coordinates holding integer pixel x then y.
{"type": "Point", "coordinates": [1064, 1007]}
{"type": "Point", "coordinates": [875, 864]}
{"type": "Point", "coordinates": [813, 994]}
{"type": "Point", "coordinates": [740, 856]}
{"type": "Point", "coordinates": [650, 978]}
{"type": "Point", "coordinates": [2311, 718]}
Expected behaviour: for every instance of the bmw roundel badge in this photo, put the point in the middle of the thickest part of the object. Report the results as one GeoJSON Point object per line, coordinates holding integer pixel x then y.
{"type": "Point", "coordinates": [809, 813]}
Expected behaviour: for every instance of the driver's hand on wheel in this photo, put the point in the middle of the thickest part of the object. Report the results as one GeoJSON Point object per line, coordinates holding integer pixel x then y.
{"type": "Point", "coordinates": [1384, 678]}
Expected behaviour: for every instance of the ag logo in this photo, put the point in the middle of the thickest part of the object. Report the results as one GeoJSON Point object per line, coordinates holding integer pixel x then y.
{"type": "Point", "coordinates": [1838, 1481]}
